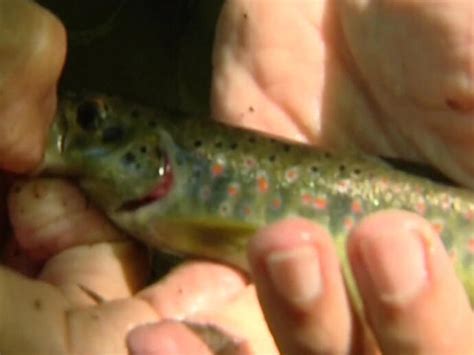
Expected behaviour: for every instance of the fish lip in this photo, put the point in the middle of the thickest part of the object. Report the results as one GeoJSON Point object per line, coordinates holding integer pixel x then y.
{"type": "Point", "coordinates": [159, 192]}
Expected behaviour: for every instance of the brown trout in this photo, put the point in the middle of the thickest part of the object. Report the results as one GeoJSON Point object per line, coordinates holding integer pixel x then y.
{"type": "Point", "coordinates": [201, 188]}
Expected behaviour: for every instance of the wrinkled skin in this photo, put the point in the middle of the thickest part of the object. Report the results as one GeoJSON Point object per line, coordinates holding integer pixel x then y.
{"type": "Point", "coordinates": [296, 63]}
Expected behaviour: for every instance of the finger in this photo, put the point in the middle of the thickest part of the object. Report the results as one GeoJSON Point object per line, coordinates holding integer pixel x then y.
{"type": "Point", "coordinates": [166, 338]}
{"type": "Point", "coordinates": [242, 318]}
{"type": "Point", "coordinates": [210, 293]}
{"type": "Point", "coordinates": [425, 89]}
{"type": "Point", "coordinates": [192, 288]}
{"type": "Point", "coordinates": [413, 299]}
{"type": "Point", "coordinates": [176, 338]}
{"type": "Point", "coordinates": [50, 215]}
{"type": "Point", "coordinates": [102, 272]}
{"type": "Point", "coordinates": [37, 319]}
{"type": "Point", "coordinates": [33, 46]}
{"type": "Point", "coordinates": [87, 258]}
{"type": "Point", "coordinates": [301, 289]}
{"type": "Point", "coordinates": [260, 80]}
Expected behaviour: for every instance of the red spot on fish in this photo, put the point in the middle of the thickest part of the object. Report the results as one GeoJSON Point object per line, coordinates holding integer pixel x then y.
{"type": "Point", "coordinates": [306, 199]}
{"type": "Point", "coordinates": [356, 207]}
{"type": "Point", "coordinates": [276, 203]}
{"type": "Point", "coordinates": [348, 223]}
{"type": "Point", "coordinates": [232, 190]}
{"type": "Point", "coordinates": [469, 215]}
{"type": "Point", "coordinates": [217, 169]}
{"type": "Point", "coordinates": [446, 202]}
{"type": "Point", "coordinates": [470, 245]}
{"type": "Point", "coordinates": [291, 175]}
{"type": "Point", "coordinates": [246, 211]}
{"type": "Point", "coordinates": [420, 208]}
{"type": "Point", "coordinates": [437, 227]}
{"type": "Point", "coordinates": [320, 203]}
{"type": "Point", "coordinates": [250, 162]}
{"type": "Point", "coordinates": [262, 184]}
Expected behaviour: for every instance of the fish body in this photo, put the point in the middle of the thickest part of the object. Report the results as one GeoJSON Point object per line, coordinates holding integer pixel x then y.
{"type": "Point", "coordinates": [201, 188]}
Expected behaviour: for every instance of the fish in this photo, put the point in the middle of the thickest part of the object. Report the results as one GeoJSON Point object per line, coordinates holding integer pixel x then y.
{"type": "Point", "coordinates": [199, 188]}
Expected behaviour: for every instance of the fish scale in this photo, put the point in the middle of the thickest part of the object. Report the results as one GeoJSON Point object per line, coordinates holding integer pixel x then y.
{"type": "Point", "coordinates": [201, 188]}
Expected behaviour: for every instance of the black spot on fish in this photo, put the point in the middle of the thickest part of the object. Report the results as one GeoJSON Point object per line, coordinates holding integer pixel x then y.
{"type": "Point", "coordinates": [252, 140]}
{"type": "Point", "coordinates": [342, 168]}
{"type": "Point", "coordinates": [272, 158]}
{"type": "Point", "coordinates": [128, 158]}
{"type": "Point", "coordinates": [152, 124]}
{"type": "Point", "coordinates": [88, 115]}
{"type": "Point", "coordinates": [197, 143]}
{"type": "Point", "coordinates": [218, 144]}
{"type": "Point", "coordinates": [327, 155]}
{"type": "Point", "coordinates": [135, 113]}
{"type": "Point", "coordinates": [286, 148]}
{"type": "Point", "coordinates": [143, 149]}
{"type": "Point", "coordinates": [357, 171]}
{"type": "Point", "coordinates": [112, 134]}
{"type": "Point", "coordinates": [159, 153]}
{"type": "Point", "coordinates": [314, 169]}
{"type": "Point", "coordinates": [233, 146]}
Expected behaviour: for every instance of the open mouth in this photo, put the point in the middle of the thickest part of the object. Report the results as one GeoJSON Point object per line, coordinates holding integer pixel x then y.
{"type": "Point", "coordinates": [159, 192]}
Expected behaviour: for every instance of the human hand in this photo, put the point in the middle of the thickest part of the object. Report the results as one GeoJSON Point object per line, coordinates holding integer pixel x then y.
{"type": "Point", "coordinates": [32, 50]}
{"type": "Point", "coordinates": [391, 78]}
{"type": "Point", "coordinates": [83, 284]}
{"type": "Point", "coordinates": [33, 46]}
{"type": "Point", "coordinates": [332, 74]}
{"type": "Point", "coordinates": [218, 288]}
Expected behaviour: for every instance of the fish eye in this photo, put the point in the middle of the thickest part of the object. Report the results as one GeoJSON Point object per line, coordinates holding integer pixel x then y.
{"type": "Point", "coordinates": [89, 115]}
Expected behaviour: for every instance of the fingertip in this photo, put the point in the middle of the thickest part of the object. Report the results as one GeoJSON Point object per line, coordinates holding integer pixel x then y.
{"type": "Point", "coordinates": [49, 215]}
{"type": "Point", "coordinates": [283, 235]}
{"type": "Point", "coordinates": [286, 255]}
{"type": "Point", "coordinates": [165, 338]}
{"type": "Point", "coordinates": [30, 68]}
{"type": "Point", "coordinates": [300, 287]}
{"type": "Point", "coordinates": [412, 296]}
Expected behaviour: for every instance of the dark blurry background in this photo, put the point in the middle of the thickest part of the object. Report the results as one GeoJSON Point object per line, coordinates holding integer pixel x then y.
{"type": "Point", "coordinates": [157, 52]}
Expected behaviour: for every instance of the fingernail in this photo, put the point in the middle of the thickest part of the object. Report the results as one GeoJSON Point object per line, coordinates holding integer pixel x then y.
{"type": "Point", "coordinates": [296, 274]}
{"type": "Point", "coordinates": [396, 264]}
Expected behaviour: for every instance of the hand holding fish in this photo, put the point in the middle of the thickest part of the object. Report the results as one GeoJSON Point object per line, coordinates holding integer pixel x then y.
{"type": "Point", "coordinates": [294, 262]}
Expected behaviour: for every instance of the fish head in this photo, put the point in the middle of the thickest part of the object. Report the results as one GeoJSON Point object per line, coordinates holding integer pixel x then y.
{"type": "Point", "coordinates": [129, 161]}
{"type": "Point", "coordinates": [119, 153]}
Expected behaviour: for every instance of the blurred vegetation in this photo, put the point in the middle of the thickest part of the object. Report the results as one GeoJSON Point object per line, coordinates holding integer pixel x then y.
{"type": "Point", "coordinates": [156, 52]}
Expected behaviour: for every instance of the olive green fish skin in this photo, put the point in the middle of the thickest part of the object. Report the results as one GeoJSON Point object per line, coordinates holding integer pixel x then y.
{"type": "Point", "coordinates": [223, 183]}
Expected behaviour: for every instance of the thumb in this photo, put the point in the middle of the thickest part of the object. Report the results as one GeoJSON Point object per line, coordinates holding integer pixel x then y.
{"type": "Point", "coordinates": [33, 47]}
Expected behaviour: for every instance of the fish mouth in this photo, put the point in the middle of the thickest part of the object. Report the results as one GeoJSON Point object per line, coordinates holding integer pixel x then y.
{"type": "Point", "coordinates": [159, 192]}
